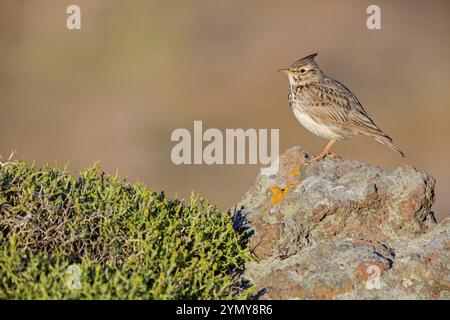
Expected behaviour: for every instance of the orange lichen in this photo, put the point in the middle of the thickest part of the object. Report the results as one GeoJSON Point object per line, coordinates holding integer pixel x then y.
{"type": "Point", "coordinates": [294, 173]}
{"type": "Point", "coordinates": [279, 193]}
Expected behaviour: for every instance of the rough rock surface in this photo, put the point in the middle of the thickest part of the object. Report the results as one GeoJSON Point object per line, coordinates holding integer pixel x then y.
{"type": "Point", "coordinates": [342, 229]}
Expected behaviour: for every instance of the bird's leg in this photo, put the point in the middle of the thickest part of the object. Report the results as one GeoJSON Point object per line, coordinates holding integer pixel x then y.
{"type": "Point", "coordinates": [325, 151]}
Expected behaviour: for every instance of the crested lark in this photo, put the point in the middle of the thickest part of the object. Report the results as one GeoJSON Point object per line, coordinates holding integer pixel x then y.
{"type": "Point", "coordinates": [327, 108]}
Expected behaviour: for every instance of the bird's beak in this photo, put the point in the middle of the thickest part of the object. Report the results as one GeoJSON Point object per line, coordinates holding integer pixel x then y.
{"type": "Point", "coordinates": [285, 71]}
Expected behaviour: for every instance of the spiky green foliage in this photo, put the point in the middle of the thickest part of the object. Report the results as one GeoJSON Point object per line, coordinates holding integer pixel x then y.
{"type": "Point", "coordinates": [98, 237]}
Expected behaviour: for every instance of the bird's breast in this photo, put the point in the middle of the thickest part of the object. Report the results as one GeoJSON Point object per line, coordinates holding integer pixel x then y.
{"type": "Point", "coordinates": [318, 128]}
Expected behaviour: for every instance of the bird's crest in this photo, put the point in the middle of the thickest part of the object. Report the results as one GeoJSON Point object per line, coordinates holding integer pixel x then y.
{"type": "Point", "coordinates": [304, 60]}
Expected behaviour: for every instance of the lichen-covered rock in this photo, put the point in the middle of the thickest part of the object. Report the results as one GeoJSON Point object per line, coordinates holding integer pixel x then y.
{"type": "Point", "coordinates": [341, 229]}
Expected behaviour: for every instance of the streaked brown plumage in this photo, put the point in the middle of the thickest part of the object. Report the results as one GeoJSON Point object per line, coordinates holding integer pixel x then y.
{"type": "Point", "coordinates": [327, 108]}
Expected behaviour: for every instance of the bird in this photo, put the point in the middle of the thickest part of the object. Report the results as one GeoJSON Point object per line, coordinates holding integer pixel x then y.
{"type": "Point", "coordinates": [327, 108]}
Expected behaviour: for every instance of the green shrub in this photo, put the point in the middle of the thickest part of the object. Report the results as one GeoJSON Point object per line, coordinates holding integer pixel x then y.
{"type": "Point", "coordinates": [97, 237]}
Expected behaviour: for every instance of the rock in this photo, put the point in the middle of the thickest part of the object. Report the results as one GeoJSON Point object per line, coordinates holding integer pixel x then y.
{"type": "Point", "coordinates": [342, 229]}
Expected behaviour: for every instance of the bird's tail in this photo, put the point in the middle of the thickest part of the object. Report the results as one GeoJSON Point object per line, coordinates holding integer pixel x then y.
{"type": "Point", "coordinates": [368, 127]}
{"type": "Point", "coordinates": [386, 140]}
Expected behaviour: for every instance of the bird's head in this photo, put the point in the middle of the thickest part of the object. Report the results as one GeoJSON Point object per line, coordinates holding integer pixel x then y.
{"type": "Point", "coordinates": [304, 71]}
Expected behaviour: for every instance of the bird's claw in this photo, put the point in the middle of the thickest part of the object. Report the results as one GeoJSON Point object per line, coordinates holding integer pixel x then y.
{"type": "Point", "coordinates": [323, 155]}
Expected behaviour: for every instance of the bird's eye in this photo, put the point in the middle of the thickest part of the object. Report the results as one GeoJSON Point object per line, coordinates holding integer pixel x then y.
{"type": "Point", "coordinates": [302, 70]}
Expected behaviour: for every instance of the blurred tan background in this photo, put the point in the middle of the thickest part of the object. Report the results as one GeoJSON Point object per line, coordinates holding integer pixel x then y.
{"type": "Point", "coordinates": [116, 89]}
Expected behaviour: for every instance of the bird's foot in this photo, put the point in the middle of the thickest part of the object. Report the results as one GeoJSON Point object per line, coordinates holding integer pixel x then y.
{"type": "Point", "coordinates": [323, 155]}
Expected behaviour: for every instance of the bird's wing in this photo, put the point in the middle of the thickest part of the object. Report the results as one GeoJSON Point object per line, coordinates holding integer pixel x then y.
{"type": "Point", "coordinates": [326, 104]}
{"type": "Point", "coordinates": [333, 102]}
